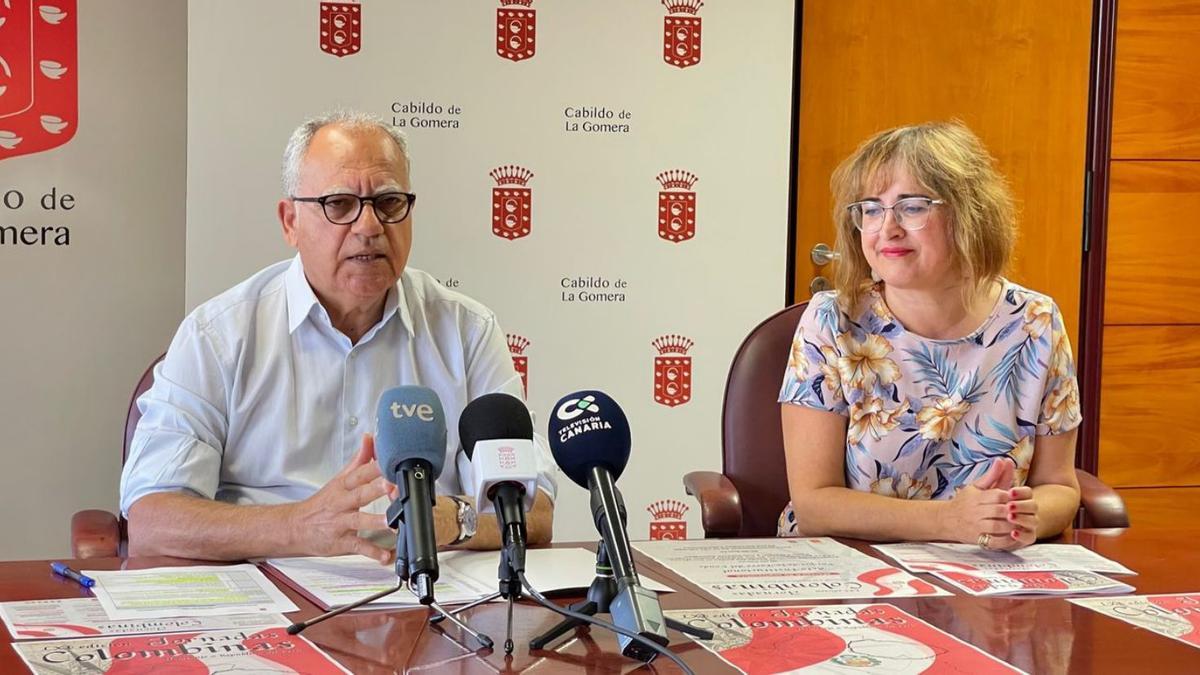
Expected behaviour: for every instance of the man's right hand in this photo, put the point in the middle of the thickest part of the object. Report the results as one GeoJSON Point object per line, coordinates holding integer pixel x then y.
{"type": "Point", "coordinates": [328, 522]}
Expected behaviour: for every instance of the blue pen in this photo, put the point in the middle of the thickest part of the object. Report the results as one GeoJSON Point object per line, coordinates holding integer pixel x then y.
{"type": "Point", "coordinates": [62, 570]}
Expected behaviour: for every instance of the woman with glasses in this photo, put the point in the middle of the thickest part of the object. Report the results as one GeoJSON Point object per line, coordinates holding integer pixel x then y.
{"type": "Point", "coordinates": [928, 397]}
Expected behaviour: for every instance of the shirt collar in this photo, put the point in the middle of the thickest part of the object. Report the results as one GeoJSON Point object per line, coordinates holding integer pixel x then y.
{"type": "Point", "coordinates": [302, 301]}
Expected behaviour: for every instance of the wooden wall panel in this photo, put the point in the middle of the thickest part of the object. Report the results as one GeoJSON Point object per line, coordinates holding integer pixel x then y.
{"type": "Point", "coordinates": [1153, 273]}
{"type": "Point", "coordinates": [1148, 434]}
{"type": "Point", "coordinates": [1151, 357]}
{"type": "Point", "coordinates": [1016, 72]}
{"type": "Point", "coordinates": [1156, 108]}
{"type": "Point", "coordinates": [1161, 508]}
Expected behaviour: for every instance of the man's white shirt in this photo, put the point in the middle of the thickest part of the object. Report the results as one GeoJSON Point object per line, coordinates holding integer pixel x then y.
{"type": "Point", "coordinates": [260, 400]}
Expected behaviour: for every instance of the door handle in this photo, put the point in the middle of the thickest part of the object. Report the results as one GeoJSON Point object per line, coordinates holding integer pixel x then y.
{"type": "Point", "coordinates": [823, 255]}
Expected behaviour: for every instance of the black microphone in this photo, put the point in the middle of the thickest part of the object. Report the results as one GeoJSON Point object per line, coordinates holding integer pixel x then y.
{"type": "Point", "coordinates": [497, 439]}
{"type": "Point", "coordinates": [589, 436]}
{"type": "Point", "coordinates": [410, 445]}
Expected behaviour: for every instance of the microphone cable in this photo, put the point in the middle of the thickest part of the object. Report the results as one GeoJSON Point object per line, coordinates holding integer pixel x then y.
{"type": "Point", "coordinates": [543, 601]}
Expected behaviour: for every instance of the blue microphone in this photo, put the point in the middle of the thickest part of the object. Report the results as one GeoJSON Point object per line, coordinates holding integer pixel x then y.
{"type": "Point", "coordinates": [588, 429]}
{"type": "Point", "coordinates": [410, 446]}
{"type": "Point", "coordinates": [589, 436]}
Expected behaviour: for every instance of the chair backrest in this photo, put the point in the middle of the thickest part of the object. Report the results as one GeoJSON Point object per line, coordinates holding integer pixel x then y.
{"type": "Point", "coordinates": [133, 414]}
{"type": "Point", "coordinates": [751, 431]}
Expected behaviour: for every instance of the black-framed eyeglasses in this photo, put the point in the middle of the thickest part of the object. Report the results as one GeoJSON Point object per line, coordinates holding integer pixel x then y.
{"type": "Point", "coordinates": [345, 208]}
{"type": "Point", "coordinates": [911, 213]}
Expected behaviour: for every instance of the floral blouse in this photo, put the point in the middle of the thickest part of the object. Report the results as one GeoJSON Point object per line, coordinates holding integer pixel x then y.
{"type": "Point", "coordinates": [927, 416]}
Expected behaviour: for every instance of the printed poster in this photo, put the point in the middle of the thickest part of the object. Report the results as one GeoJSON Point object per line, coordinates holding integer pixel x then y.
{"type": "Point", "coordinates": [1033, 583]}
{"type": "Point", "coordinates": [783, 569]}
{"type": "Point", "coordinates": [834, 639]}
{"type": "Point", "coordinates": [267, 650]}
{"type": "Point", "coordinates": [1176, 616]}
{"type": "Point", "coordinates": [940, 557]}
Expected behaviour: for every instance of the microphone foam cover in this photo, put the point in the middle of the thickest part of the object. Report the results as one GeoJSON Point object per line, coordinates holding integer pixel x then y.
{"type": "Point", "coordinates": [491, 417]}
{"type": "Point", "coordinates": [587, 429]}
{"type": "Point", "coordinates": [409, 424]}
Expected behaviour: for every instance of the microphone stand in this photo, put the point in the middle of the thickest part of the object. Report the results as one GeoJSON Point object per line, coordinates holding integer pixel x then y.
{"type": "Point", "coordinates": [509, 589]}
{"type": "Point", "coordinates": [481, 638]}
{"type": "Point", "coordinates": [599, 597]}
{"type": "Point", "coordinates": [421, 586]}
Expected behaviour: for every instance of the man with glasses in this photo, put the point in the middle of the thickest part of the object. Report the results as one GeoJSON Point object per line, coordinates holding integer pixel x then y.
{"type": "Point", "coordinates": [251, 441]}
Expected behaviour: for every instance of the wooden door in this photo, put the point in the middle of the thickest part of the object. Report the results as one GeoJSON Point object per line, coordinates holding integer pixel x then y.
{"type": "Point", "coordinates": [1016, 72]}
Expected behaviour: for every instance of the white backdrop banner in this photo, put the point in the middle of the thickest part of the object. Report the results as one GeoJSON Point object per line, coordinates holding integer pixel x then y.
{"type": "Point", "coordinates": [610, 176]}
{"type": "Point", "coordinates": [92, 128]}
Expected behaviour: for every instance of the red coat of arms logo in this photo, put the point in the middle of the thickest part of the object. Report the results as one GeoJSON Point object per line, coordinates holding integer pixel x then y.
{"type": "Point", "coordinates": [516, 30]}
{"type": "Point", "coordinates": [341, 28]}
{"type": "Point", "coordinates": [668, 522]}
{"type": "Point", "coordinates": [681, 32]}
{"type": "Point", "coordinates": [672, 370]}
{"type": "Point", "coordinates": [512, 202]}
{"type": "Point", "coordinates": [516, 347]}
{"type": "Point", "coordinates": [39, 80]}
{"type": "Point", "coordinates": [677, 206]}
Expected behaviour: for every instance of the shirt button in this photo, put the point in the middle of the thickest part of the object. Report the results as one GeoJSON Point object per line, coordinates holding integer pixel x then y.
{"type": "Point", "coordinates": [353, 421]}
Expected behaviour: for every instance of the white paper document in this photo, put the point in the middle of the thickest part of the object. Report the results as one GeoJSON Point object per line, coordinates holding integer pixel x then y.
{"type": "Point", "coordinates": [547, 569]}
{"type": "Point", "coordinates": [463, 576]}
{"type": "Point", "coordinates": [340, 580]}
{"type": "Point", "coordinates": [935, 557]}
{"type": "Point", "coordinates": [787, 569]}
{"type": "Point", "coordinates": [202, 590]}
{"type": "Point", "coordinates": [85, 617]}
{"type": "Point", "coordinates": [1033, 583]}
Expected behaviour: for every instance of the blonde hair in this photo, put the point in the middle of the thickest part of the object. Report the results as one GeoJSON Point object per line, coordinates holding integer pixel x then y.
{"type": "Point", "coordinates": [949, 161]}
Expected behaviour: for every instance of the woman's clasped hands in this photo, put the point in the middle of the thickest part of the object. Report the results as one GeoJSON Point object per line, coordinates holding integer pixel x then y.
{"type": "Point", "coordinates": [991, 512]}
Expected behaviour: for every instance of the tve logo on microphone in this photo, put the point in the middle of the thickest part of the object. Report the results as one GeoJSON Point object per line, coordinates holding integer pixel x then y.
{"type": "Point", "coordinates": [422, 411]}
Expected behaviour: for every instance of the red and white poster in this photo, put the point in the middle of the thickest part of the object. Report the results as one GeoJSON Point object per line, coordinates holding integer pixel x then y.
{"type": "Point", "coordinates": [39, 75]}
{"type": "Point", "coordinates": [784, 569]}
{"type": "Point", "coordinates": [1176, 615]}
{"type": "Point", "coordinates": [265, 650]}
{"type": "Point", "coordinates": [1061, 582]}
{"type": "Point", "coordinates": [946, 557]}
{"type": "Point", "coordinates": [835, 639]}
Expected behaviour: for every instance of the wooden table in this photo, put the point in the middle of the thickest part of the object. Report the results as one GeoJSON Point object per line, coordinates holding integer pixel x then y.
{"type": "Point", "coordinates": [1038, 635]}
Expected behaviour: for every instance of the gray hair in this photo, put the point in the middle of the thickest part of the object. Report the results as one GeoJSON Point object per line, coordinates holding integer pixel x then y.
{"type": "Point", "coordinates": [297, 145]}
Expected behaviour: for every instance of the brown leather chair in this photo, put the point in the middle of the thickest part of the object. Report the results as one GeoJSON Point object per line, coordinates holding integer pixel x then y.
{"type": "Point", "coordinates": [746, 497]}
{"type": "Point", "coordinates": [96, 533]}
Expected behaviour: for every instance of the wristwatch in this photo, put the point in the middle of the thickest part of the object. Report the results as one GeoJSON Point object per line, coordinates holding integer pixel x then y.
{"type": "Point", "coordinates": [467, 518]}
